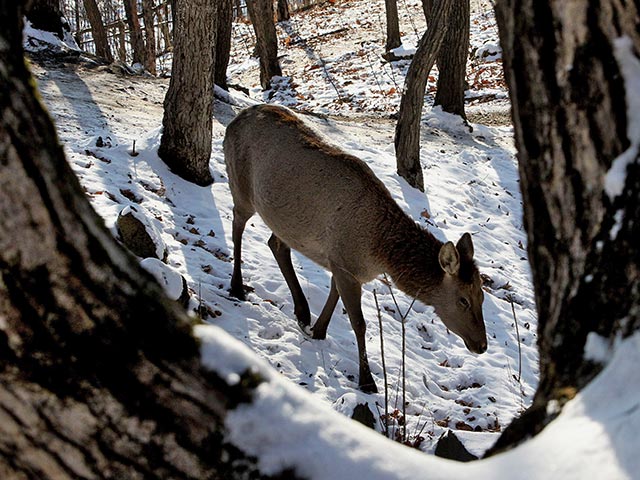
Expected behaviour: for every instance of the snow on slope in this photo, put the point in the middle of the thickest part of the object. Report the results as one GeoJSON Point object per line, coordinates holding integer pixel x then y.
{"type": "Point", "coordinates": [471, 183]}
{"type": "Point", "coordinates": [471, 186]}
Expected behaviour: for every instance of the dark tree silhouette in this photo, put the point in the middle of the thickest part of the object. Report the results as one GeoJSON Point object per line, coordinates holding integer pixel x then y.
{"type": "Point", "coordinates": [571, 129]}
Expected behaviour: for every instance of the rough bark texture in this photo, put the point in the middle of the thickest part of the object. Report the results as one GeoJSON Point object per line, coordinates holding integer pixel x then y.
{"type": "Point", "coordinates": [261, 14]}
{"type": "Point", "coordinates": [150, 36]}
{"type": "Point", "coordinates": [452, 60]}
{"type": "Point", "coordinates": [393, 25]}
{"type": "Point", "coordinates": [570, 120]}
{"type": "Point", "coordinates": [98, 31]}
{"type": "Point", "coordinates": [99, 374]}
{"type": "Point", "coordinates": [135, 32]}
{"type": "Point", "coordinates": [283, 10]}
{"type": "Point", "coordinates": [407, 137]}
{"type": "Point", "coordinates": [185, 145]}
{"type": "Point", "coordinates": [223, 41]}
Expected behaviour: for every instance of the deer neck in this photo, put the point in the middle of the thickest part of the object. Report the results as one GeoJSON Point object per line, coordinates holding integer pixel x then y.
{"type": "Point", "coordinates": [409, 254]}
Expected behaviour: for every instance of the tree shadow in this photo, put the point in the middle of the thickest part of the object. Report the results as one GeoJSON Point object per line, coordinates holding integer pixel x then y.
{"type": "Point", "coordinates": [98, 134]}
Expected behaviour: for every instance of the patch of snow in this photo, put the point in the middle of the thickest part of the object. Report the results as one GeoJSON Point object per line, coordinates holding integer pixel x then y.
{"type": "Point", "coordinates": [167, 276]}
{"type": "Point", "coordinates": [630, 68]}
{"type": "Point", "coordinates": [35, 40]}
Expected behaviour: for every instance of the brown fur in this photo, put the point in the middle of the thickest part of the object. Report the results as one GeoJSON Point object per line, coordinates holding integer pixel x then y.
{"type": "Point", "coordinates": [330, 206]}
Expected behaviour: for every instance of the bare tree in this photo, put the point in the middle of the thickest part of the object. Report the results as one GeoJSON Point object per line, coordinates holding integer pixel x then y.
{"type": "Point", "coordinates": [185, 145]}
{"type": "Point", "coordinates": [393, 25]}
{"type": "Point", "coordinates": [261, 14]}
{"type": "Point", "coordinates": [98, 32]}
{"type": "Point", "coordinates": [407, 138]}
{"type": "Point", "coordinates": [283, 10]}
{"type": "Point", "coordinates": [452, 61]}
{"type": "Point", "coordinates": [580, 180]}
{"type": "Point", "coordinates": [223, 41]}
{"type": "Point", "coordinates": [135, 32]}
{"type": "Point", "coordinates": [150, 36]}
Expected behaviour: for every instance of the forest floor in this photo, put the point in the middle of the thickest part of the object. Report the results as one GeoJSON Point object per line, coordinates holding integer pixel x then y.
{"type": "Point", "coordinates": [472, 185]}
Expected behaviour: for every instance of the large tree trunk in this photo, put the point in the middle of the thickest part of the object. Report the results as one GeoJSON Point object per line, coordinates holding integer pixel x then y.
{"type": "Point", "coordinates": [98, 31]}
{"type": "Point", "coordinates": [261, 14]}
{"type": "Point", "coordinates": [100, 376]}
{"type": "Point", "coordinates": [135, 32]}
{"type": "Point", "coordinates": [407, 138]}
{"type": "Point", "coordinates": [573, 133]}
{"type": "Point", "coordinates": [393, 25]}
{"type": "Point", "coordinates": [452, 61]}
{"type": "Point", "coordinates": [185, 145]}
{"type": "Point", "coordinates": [223, 41]}
{"type": "Point", "coordinates": [150, 36]}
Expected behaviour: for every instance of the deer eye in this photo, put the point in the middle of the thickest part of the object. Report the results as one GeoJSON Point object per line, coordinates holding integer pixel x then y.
{"type": "Point", "coordinates": [464, 303]}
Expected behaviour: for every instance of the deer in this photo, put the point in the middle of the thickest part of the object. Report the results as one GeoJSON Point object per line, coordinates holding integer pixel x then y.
{"type": "Point", "coordinates": [329, 206]}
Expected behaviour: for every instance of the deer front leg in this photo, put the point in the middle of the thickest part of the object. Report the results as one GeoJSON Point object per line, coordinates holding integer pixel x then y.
{"type": "Point", "coordinates": [282, 254]}
{"type": "Point", "coordinates": [350, 290]}
{"type": "Point", "coordinates": [319, 328]}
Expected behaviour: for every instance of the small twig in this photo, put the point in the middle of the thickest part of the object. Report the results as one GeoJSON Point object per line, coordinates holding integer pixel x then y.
{"type": "Point", "coordinates": [515, 320]}
{"type": "Point", "coordinates": [384, 368]}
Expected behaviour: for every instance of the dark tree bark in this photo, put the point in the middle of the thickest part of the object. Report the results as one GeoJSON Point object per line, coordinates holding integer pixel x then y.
{"type": "Point", "coordinates": [185, 145]}
{"type": "Point", "coordinates": [452, 61]}
{"type": "Point", "coordinates": [98, 31]}
{"type": "Point", "coordinates": [283, 10]}
{"type": "Point", "coordinates": [571, 127]}
{"type": "Point", "coordinates": [135, 32]}
{"type": "Point", "coordinates": [407, 137]}
{"type": "Point", "coordinates": [150, 36]}
{"type": "Point", "coordinates": [223, 42]}
{"type": "Point", "coordinates": [261, 15]}
{"type": "Point", "coordinates": [393, 25]}
{"type": "Point", "coordinates": [46, 15]}
{"type": "Point", "coordinates": [100, 376]}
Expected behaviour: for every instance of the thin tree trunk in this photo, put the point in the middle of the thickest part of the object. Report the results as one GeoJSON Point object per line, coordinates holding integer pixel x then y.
{"type": "Point", "coordinates": [78, 35]}
{"type": "Point", "coordinates": [185, 145]}
{"type": "Point", "coordinates": [122, 41]}
{"type": "Point", "coordinates": [452, 61]}
{"type": "Point", "coordinates": [283, 10]}
{"type": "Point", "coordinates": [393, 25]}
{"type": "Point", "coordinates": [261, 14]}
{"type": "Point", "coordinates": [98, 31]}
{"type": "Point", "coordinates": [407, 137]}
{"type": "Point", "coordinates": [163, 22]}
{"type": "Point", "coordinates": [223, 41]}
{"type": "Point", "coordinates": [135, 32]}
{"type": "Point", "coordinates": [572, 127]}
{"type": "Point", "coordinates": [150, 36]}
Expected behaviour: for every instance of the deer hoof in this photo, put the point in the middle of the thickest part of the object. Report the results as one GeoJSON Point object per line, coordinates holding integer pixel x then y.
{"type": "Point", "coordinates": [306, 329]}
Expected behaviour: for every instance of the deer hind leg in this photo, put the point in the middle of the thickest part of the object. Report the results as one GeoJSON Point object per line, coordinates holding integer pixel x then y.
{"type": "Point", "coordinates": [350, 290]}
{"type": "Point", "coordinates": [282, 253]}
{"type": "Point", "coordinates": [240, 218]}
{"type": "Point", "coordinates": [320, 327]}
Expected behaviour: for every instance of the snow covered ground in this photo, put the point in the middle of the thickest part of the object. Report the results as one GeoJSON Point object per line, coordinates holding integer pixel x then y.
{"type": "Point", "coordinates": [471, 185]}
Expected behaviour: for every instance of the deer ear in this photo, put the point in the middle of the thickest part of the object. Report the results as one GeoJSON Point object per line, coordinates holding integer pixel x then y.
{"type": "Point", "coordinates": [449, 258]}
{"type": "Point", "coordinates": [465, 247]}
